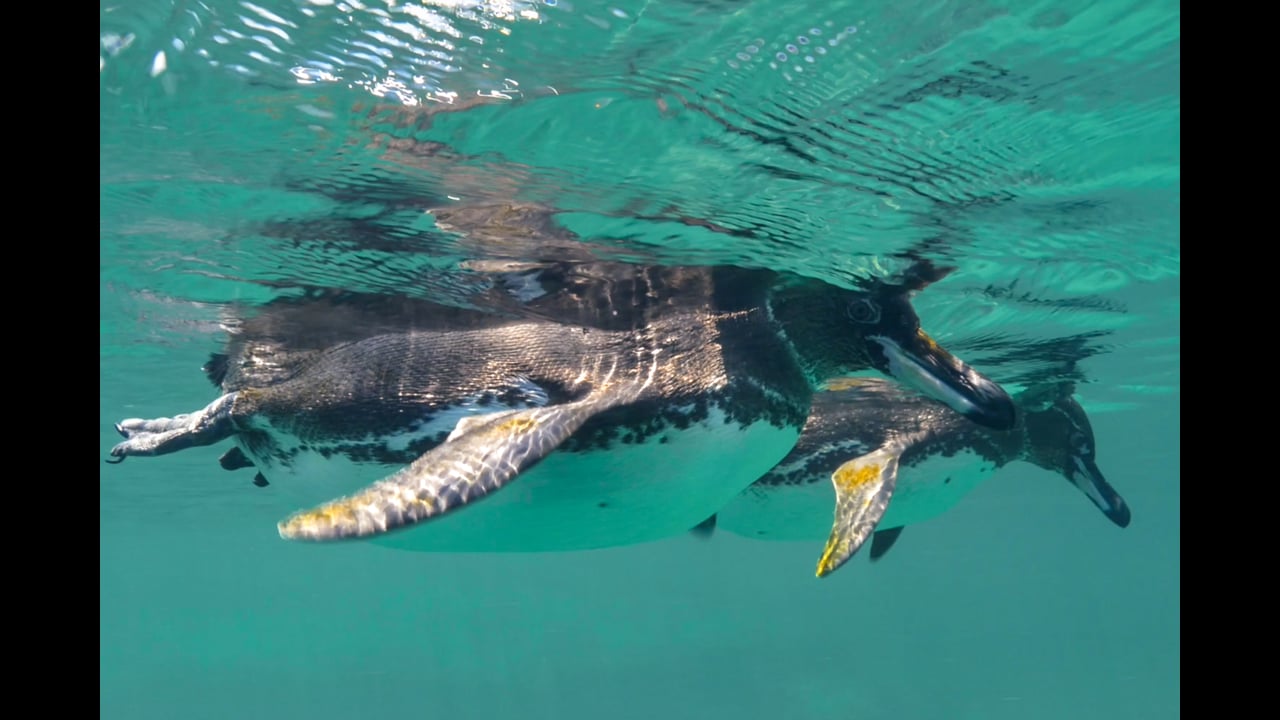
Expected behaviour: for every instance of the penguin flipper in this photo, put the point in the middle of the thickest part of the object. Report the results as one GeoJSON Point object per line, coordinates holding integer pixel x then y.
{"type": "Point", "coordinates": [481, 456]}
{"type": "Point", "coordinates": [863, 487]}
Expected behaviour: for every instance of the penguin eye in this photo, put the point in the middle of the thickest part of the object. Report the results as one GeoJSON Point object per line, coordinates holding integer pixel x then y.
{"type": "Point", "coordinates": [864, 310]}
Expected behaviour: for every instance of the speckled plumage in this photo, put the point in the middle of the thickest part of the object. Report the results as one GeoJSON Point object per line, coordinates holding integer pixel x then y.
{"type": "Point", "coordinates": [666, 390]}
{"type": "Point", "coordinates": [405, 379]}
{"type": "Point", "coordinates": [930, 456]}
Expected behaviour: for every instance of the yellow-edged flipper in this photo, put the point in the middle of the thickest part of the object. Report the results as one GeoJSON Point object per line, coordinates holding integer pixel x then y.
{"type": "Point", "coordinates": [472, 422]}
{"type": "Point", "coordinates": [863, 486]}
{"type": "Point", "coordinates": [483, 454]}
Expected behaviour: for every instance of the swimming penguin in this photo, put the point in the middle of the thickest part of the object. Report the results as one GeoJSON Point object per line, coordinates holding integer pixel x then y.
{"type": "Point", "coordinates": [896, 458]}
{"type": "Point", "coordinates": [663, 392]}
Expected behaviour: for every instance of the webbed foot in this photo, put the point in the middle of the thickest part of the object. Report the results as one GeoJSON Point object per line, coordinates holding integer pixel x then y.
{"type": "Point", "coordinates": [160, 436]}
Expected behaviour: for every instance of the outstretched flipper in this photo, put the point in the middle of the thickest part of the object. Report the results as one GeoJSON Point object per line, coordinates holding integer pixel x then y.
{"type": "Point", "coordinates": [481, 456]}
{"type": "Point", "coordinates": [161, 436]}
{"type": "Point", "coordinates": [863, 488]}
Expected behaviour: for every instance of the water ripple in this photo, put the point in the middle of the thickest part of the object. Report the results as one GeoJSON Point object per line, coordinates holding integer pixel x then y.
{"type": "Point", "coordinates": [1036, 148]}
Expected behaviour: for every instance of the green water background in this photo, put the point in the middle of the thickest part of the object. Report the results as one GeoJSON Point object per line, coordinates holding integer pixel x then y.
{"type": "Point", "coordinates": [1022, 602]}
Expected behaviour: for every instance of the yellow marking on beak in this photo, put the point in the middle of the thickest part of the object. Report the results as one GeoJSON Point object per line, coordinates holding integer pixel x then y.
{"type": "Point", "coordinates": [932, 344]}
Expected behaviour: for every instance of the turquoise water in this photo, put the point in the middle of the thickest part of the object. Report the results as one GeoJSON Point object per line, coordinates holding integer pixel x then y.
{"type": "Point", "coordinates": [250, 149]}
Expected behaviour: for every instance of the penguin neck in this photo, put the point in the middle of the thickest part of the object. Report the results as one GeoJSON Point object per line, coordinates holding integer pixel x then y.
{"type": "Point", "coordinates": [1012, 444]}
{"type": "Point", "coordinates": [817, 330]}
{"type": "Point", "coordinates": [1022, 438]}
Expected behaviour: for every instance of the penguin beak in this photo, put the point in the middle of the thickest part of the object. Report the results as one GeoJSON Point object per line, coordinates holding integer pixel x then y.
{"type": "Point", "coordinates": [926, 366]}
{"type": "Point", "coordinates": [1084, 474]}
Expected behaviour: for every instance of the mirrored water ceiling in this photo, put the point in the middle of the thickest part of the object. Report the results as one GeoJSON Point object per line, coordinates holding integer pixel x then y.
{"type": "Point", "coordinates": [378, 146]}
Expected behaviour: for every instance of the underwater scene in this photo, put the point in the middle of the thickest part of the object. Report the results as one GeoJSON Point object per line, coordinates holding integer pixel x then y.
{"type": "Point", "coordinates": [639, 359]}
